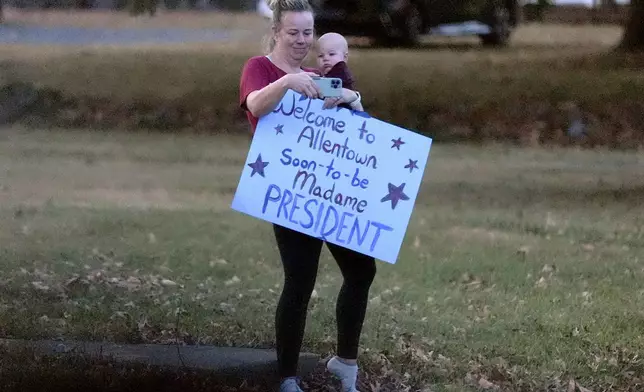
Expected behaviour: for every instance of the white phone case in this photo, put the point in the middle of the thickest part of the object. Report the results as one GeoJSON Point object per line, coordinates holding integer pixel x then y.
{"type": "Point", "coordinates": [330, 87]}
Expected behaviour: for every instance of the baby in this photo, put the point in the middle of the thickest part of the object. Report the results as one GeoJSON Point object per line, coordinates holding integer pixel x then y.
{"type": "Point", "coordinates": [333, 54]}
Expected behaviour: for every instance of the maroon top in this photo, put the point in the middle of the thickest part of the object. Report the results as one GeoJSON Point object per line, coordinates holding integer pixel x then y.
{"type": "Point", "coordinates": [257, 73]}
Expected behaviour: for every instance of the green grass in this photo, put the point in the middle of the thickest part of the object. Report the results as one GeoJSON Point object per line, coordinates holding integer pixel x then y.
{"type": "Point", "coordinates": [521, 266]}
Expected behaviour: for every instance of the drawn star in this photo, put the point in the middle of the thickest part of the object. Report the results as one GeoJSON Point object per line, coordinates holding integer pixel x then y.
{"type": "Point", "coordinates": [258, 166]}
{"type": "Point", "coordinates": [397, 143]}
{"type": "Point", "coordinates": [278, 129]}
{"type": "Point", "coordinates": [395, 194]}
{"type": "Point", "coordinates": [412, 165]}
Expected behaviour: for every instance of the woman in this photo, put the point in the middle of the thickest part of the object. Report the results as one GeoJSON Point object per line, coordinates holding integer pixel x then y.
{"type": "Point", "coordinates": [264, 81]}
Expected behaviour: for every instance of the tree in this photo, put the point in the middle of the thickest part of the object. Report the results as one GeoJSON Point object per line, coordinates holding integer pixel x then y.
{"type": "Point", "coordinates": [633, 39]}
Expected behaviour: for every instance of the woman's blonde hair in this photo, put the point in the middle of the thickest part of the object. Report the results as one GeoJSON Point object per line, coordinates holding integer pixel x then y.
{"type": "Point", "coordinates": [279, 7]}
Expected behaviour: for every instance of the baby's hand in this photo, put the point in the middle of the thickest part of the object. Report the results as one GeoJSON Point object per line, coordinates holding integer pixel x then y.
{"type": "Point", "coordinates": [331, 102]}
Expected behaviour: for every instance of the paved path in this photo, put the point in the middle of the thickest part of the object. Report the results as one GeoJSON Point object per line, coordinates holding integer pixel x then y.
{"type": "Point", "coordinates": [242, 363]}
{"type": "Point", "coordinates": [68, 35]}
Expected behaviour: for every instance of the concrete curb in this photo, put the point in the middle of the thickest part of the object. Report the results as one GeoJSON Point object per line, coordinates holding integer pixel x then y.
{"type": "Point", "coordinates": [230, 362]}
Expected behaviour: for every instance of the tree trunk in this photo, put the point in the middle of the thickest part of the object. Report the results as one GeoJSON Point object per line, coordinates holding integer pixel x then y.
{"type": "Point", "coordinates": [633, 39]}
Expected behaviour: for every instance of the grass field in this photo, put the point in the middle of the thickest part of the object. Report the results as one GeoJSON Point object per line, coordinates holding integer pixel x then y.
{"type": "Point", "coordinates": [449, 88]}
{"type": "Point", "coordinates": [522, 268]}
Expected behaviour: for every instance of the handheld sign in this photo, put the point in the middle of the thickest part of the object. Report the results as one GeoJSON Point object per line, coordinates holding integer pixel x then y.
{"type": "Point", "coordinates": [334, 174]}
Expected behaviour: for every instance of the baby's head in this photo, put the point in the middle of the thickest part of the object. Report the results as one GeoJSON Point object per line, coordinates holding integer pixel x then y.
{"type": "Point", "coordinates": [332, 48]}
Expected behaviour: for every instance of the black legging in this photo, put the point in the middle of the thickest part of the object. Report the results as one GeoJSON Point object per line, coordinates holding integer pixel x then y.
{"type": "Point", "coordinates": [300, 255]}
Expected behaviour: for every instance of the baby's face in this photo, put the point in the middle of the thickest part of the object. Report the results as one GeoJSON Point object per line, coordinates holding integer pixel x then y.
{"type": "Point", "coordinates": [329, 54]}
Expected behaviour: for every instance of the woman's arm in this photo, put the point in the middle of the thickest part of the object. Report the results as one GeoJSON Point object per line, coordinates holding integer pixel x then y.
{"type": "Point", "coordinates": [263, 101]}
{"type": "Point", "coordinates": [259, 96]}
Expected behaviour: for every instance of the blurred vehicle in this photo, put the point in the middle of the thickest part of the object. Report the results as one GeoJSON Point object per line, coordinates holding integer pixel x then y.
{"type": "Point", "coordinates": [263, 9]}
{"type": "Point", "coordinates": [403, 22]}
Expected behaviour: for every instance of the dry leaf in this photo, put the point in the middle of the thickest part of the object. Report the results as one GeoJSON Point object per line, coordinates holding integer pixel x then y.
{"type": "Point", "coordinates": [547, 269]}
{"type": "Point", "coordinates": [168, 283]}
{"type": "Point", "coordinates": [40, 286]}
{"type": "Point", "coordinates": [573, 386]}
{"type": "Point", "coordinates": [582, 389]}
{"type": "Point", "coordinates": [524, 250]}
{"type": "Point", "coordinates": [485, 384]}
{"type": "Point", "coordinates": [218, 262]}
{"type": "Point", "coordinates": [588, 247]}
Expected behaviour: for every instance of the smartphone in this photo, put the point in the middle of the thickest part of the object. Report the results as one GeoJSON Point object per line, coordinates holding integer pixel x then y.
{"type": "Point", "coordinates": [330, 87]}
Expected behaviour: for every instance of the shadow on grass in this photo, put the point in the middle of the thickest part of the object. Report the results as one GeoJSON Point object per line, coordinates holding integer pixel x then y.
{"type": "Point", "coordinates": [25, 371]}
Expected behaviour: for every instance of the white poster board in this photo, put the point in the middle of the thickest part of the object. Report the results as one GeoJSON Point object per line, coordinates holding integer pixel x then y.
{"type": "Point", "coordinates": [334, 174]}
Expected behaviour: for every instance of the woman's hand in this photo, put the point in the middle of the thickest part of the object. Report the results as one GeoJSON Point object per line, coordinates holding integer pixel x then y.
{"type": "Point", "coordinates": [348, 96]}
{"type": "Point", "coordinates": [303, 83]}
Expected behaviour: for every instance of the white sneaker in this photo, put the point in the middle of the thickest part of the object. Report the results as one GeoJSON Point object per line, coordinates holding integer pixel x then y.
{"type": "Point", "coordinates": [290, 385]}
{"type": "Point", "coordinates": [339, 371]}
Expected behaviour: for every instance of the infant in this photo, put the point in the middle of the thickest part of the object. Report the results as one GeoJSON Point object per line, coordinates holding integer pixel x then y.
{"type": "Point", "coordinates": [333, 54]}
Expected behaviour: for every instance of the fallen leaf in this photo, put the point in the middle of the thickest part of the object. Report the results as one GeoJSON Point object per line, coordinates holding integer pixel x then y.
{"type": "Point", "coordinates": [218, 262]}
{"type": "Point", "coordinates": [168, 283]}
{"type": "Point", "coordinates": [77, 285]}
{"type": "Point", "coordinates": [234, 280]}
{"type": "Point", "coordinates": [582, 389]}
{"type": "Point", "coordinates": [524, 250]}
{"type": "Point", "coordinates": [118, 314]}
{"type": "Point", "coordinates": [40, 286]}
{"type": "Point", "coordinates": [541, 283]}
{"type": "Point", "coordinates": [588, 247]}
{"type": "Point", "coordinates": [485, 384]}
{"type": "Point", "coordinates": [498, 375]}
{"type": "Point", "coordinates": [573, 386]}
{"type": "Point", "coordinates": [547, 269]}
{"type": "Point", "coordinates": [228, 308]}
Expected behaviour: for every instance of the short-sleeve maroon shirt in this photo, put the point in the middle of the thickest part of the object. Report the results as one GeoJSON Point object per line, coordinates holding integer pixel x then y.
{"type": "Point", "coordinates": [257, 73]}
